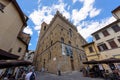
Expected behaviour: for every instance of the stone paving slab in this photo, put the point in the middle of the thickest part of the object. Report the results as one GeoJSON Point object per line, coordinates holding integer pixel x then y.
{"type": "Point", "coordinates": [70, 76]}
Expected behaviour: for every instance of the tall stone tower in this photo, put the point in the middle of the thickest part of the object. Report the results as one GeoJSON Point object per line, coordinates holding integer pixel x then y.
{"type": "Point", "coordinates": [59, 46]}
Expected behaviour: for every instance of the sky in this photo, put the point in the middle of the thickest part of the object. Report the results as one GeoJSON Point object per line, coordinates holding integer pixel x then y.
{"type": "Point", "coordinates": [87, 15]}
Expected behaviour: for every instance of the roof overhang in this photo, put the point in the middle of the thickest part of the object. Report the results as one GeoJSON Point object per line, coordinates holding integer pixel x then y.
{"type": "Point", "coordinates": [104, 61]}
{"type": "Point", "coordinates": [107, 26]}
{"type": "Point", "coordinates": [116, 9]}
{"type": "Point", "coordinates": [87, 44]}
{"type": "Point", "coordinates": [7, 56]}
{"type": "Point", "coordinates": [15, 63]}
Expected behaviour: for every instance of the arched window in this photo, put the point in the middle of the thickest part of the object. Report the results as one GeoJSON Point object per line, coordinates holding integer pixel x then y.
{"type": "Point", "coordinates": [61, 29]}
{"type": "Point", "coordinates": [70, 32]}
{"type": "Point", "coordinates": [77, 46]}
{"type": "Point", "coordinates": [44, 28]}
{"type": "Point", "coordinates": [51, 43]}
{"type": "Point", "coordinates": [69, 42]}
{"type": "Point", "coordinates": [50, 55]}
{"type": "Point", "coordinates": [19, 49]}
{"type": "Point", "coordinates": [62, 39]}
{"type": "Point", "coordinates": [44, 60]}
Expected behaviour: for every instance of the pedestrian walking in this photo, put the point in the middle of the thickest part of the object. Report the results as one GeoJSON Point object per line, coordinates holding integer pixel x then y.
{"type": "Point", "coordinates": [30, 75]}
{"type": "Point", "coordinates": [84, 72]}
{"type": "Point", "coordinates": [23, 75]}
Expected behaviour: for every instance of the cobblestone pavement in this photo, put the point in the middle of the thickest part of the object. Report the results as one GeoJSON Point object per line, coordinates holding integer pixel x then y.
{"type": "Point", "coordinates": [69, 76]}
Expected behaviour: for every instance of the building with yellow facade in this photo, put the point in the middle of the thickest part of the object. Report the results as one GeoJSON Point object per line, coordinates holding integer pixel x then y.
{"type": "Point", "coordinates": [107, 39]}
{"type": "Point", "coordinates": [91, 51]}
{"type": "Point", "coordinates": [59, 46]}
{"type": "Point", "coordinates": [106, 42]}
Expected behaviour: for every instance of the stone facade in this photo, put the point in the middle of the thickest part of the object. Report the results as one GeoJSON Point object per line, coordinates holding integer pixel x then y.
{"type": "Point", "coordinates": [59, 46]}
{"type": "Point", "coordinates": [29, 56]}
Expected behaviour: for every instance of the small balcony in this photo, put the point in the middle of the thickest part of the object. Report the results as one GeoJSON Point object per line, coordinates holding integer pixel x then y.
{"type": "Point", "coordinates": [25, 38]}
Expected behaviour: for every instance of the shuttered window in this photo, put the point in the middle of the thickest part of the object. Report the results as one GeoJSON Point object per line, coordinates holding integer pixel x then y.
{"type": "Point", "coordinates": [102, 47]}
{"type": "Point", "coordinates": [112, 44]}
{"type": "Point", "coordinates": [19, 50]}
{"type": "Point", "coordinates": [119, 40]}
{"type": "Point", "coordinates": [105, 33]}
{"type": "Point", "coordinates": [91, 49]}
{"type": "Point", "coordinates": [97, 37]}
{"type": "Point", "coordinates": [116, 28]}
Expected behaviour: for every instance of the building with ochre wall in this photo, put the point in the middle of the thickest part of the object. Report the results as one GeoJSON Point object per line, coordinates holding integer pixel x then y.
{"type": "Point", "coordinates": [12, 23]}
{"type": "Point", "coordinates": [13, 41]}
{"type": "Point", "coordinates": [106, 44]}
{"type": "Point", "coordinates": [59, 46]}
{"type": "Point", "coordinates": [107, 40]}
{"type": "Point", "coordinates": [91, 51]}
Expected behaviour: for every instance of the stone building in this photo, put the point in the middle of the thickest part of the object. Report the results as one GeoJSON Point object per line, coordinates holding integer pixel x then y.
{"type": "Point", "coordinates": [59, 46]}
{"type": "Point", "coordinates": [12, 23]}
{"type": "Point", "coordinates": [29, 56]}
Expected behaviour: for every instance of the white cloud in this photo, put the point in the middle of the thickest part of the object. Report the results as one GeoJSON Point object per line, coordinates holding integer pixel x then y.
{"type": "Point", "coordinates": [68, 8]}
{"type": "Point", "coordinates": [46, 14]}
{"type": "Point", "coordinates": [30, 44]}
{"type": "Point", "coordinates": [61, 7]}
{"type": "Point", "coordinates": [38, 27]}
{"type": "Point", "coordinates": [90, 27]}
{"type": "Point", "coordinates": [39, 1]}
{"type": "Point", "coordinates": [38, 33]}
{"type": "Point", "coordinates": [85, 11]}
{"type": "Point", "coordinates": [28, 30]}
{"type": "Point", "coordinates": [94, 12]}
{"type": "Point", "coordinates": [78, 16]}
{"type": "Point", "coordinates": [93, 26]}
{"type": "Point", "coordinates": [74, 1]}
{"type": "Point", "coordinates": [40, 15]}
{"type": "Point", "coordinates": [66, 14]}
{"type": "Point", "coordinates": [60, 1]}
{"type": "Point", "coordinates": [36, 17]}
{"type": "Point", "coordinates": [81, 0]}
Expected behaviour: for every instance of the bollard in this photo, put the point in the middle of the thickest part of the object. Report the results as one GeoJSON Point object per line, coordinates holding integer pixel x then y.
{"type": "Point", "coordinates": [59, 73]}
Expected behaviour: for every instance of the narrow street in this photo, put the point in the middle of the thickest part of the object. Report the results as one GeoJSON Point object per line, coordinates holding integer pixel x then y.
{"type": "Point", "coordinates": [70, 76]}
